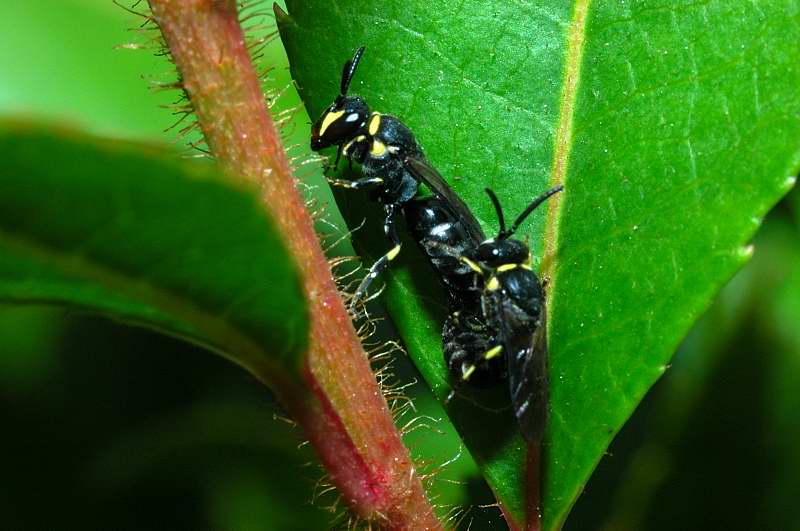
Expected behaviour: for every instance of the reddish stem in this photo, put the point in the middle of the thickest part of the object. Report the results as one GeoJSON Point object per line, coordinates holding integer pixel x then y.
{"type": "Point", "coordinates": [342, 411]}
{"type": "Point", "coordinates": [532, 488]}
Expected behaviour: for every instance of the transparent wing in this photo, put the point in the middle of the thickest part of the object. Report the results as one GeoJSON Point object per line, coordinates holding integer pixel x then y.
{"type": "Point", "coordinates": [425, 173]}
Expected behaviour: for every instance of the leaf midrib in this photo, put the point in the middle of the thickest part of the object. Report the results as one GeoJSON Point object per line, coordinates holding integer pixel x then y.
{"type": "Point", "coordinates": [576, 35]}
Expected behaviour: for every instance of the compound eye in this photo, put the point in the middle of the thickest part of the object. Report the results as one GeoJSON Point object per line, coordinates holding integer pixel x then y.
{"type": "Point", "coordinates": [341, 129]}
{"type": "Point", "coordinates": [486, 252]}
{"type": "Point", "coordinates": [519, 253]}
{"type": "Point", "coordinates": [335, 129]}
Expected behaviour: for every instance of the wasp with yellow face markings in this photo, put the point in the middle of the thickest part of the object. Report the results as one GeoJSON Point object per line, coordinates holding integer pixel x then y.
{"type": "Point", "coordinates": [388, 154]}
{"type": "Point", "coordinates": [496, 328]}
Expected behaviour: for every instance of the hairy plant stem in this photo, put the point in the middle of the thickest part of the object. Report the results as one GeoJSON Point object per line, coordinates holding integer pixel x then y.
{"type": "Point", "coordinates": [341, 408]}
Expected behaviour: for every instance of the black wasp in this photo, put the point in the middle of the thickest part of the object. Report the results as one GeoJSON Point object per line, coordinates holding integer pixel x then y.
{"type": "Point", "coordinates": [496, 327]}
{"type": "Point", "coordinates": [495, 330]}
{"type": "Point", "coordinates": [385, 149]}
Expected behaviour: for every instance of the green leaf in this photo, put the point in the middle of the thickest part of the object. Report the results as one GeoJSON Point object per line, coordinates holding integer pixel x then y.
{"type": "Point", "coordinates": [128, 231]}
{"type": "Point", "coordinates": [40, 50]}
{"type": "Point", "coordinates": [657, 455]}
{"type": "Point", "coordinates": [673, 126]}
{"type": "Point", "coordinates": [734, 380]}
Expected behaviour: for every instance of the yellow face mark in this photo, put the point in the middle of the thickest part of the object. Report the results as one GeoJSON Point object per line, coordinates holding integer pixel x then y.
{"type": "Point", "coordinates": [378, 148]}
{"type": "Point", "coordinates": [472, 265]}
{"type": "Point", "coordinates": [466, 374]}
{"type": "Point", "coordinates": [392, 254]}
{"type": "Point", "coordinates": [507, 267]}
{"type": "Point", "coordinates": [493, 284]}
{"type": "Point", "coordinates": [374, 124]}
{"type": "Point", "coordinates": [493, 352]}
{"type": "Point", "coordinates": [328, 120]}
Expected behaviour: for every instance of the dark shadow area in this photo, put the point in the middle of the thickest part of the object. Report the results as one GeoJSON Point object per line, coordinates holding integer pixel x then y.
{"type": "Point", "coordinates": [131, 430]}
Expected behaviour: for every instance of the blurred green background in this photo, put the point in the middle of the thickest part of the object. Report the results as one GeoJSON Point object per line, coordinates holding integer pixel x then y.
{"type": "Point", "coordinates": [106, 426]}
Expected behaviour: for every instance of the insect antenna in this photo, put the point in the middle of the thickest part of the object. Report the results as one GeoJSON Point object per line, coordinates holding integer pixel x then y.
{"type": "Point", "coordinates": [535, 203]}
{"type": "Point", "coordinates": [350, 70]}
{"type": "Point", "coordinates": [499, 210]}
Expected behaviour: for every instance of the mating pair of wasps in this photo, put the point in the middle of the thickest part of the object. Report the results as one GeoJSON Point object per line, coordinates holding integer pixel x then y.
{"type": "Point", "coordinates": [495, 330]}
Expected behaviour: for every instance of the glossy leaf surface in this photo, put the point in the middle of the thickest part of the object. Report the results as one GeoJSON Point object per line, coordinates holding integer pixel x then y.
{"type": "Point", "coordinates": [128, 231]}
{"type": "Point", "coordinates": [673, 126]}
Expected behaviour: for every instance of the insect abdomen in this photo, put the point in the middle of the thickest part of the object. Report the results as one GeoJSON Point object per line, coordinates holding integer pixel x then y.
{"type": "Point", "coordinates": [442, 238]}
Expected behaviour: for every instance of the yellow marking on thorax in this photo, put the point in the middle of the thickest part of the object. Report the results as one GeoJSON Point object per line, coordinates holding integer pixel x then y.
{"type": "Point", "coordinates": [328, 120]}
{"type": "Point", "coordinates": [507, 267]}
{"type": "Point", "coordinates": [493, 284]}
{"type": "Point", "coordinates": [378, 148]}
{"type": "Point", "coordinates": [374, 123]}
{"type": "Point", "coordinates": [392, 254]}
{"type": "Point", "coordinates": [493, 352]}
{"type": "Point", "coordinates": [466, 374]}
{"type": "Point", "coordinates": [472, 265]}
{"type": "Point", "coordinates": [346, 148]}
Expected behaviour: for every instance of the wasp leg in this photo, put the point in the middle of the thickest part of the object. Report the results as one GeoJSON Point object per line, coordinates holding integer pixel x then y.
{"type": "Point", "coordinates": [381, 263]}
{"type": "Point", "coordinates": [467, 371]}
{"type": "Point", "coordinates": [357, 184]}
{"type": "Point", "coordinates": [338, 156]}
{"type": "Point", "coordinates": [450, 396]}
